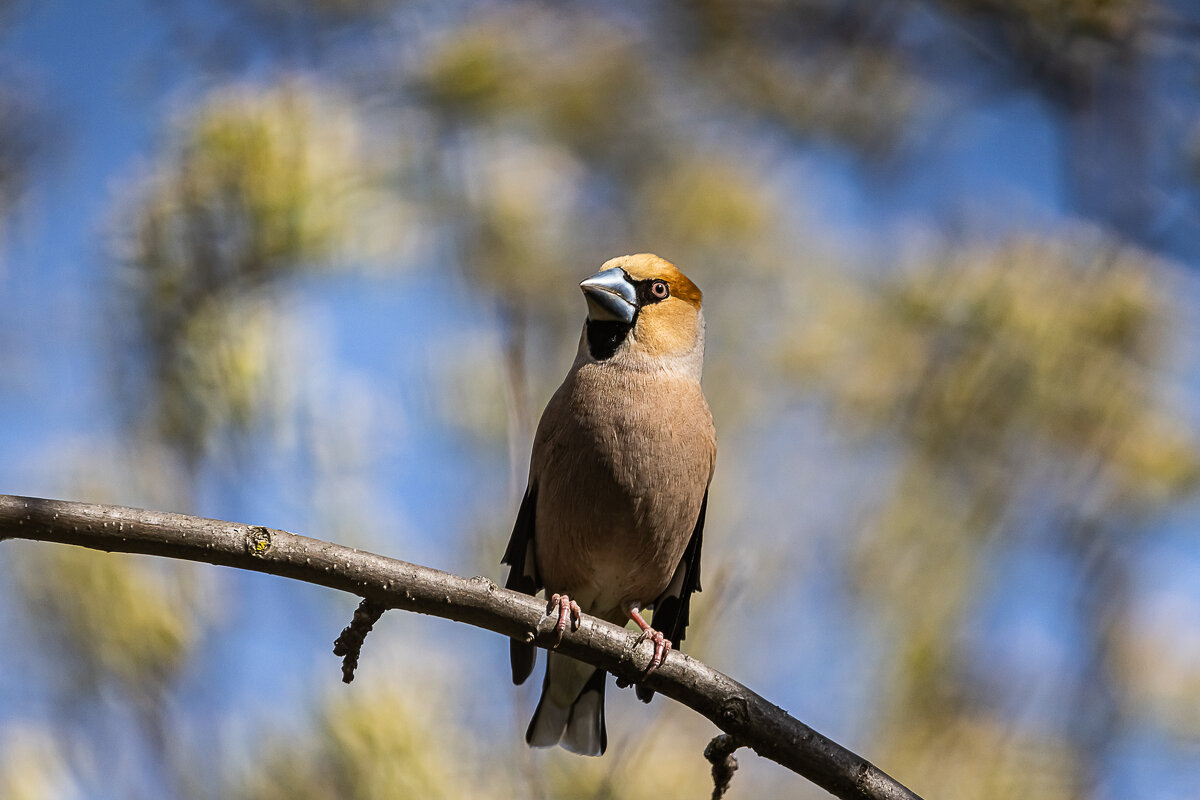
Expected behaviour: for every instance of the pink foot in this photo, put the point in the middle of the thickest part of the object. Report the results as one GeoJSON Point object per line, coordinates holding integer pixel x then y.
{"type": "Point", "coordinates": [661, 643]}
{"type": "Point", "coordinates": [567, 608]}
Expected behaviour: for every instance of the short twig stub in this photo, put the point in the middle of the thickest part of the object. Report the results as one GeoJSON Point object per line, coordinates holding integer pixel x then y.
{"type": "Point", "coordinates": [349, 643]}
{"type": "Point", "coordinates": [720, 754]}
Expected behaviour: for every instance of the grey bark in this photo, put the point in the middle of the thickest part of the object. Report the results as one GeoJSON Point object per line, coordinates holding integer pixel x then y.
{"type": "Point", "coordinates": [751, 720]}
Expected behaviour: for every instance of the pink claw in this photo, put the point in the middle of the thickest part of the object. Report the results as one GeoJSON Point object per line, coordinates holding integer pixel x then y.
{"type": "Point", "coordinates": [567, 608]}
{"type": "Point", "coordinates": [661, 643]}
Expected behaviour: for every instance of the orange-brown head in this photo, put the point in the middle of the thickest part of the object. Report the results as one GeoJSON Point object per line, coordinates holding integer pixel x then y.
{"type": "Point", "coordinates": [642, 309]}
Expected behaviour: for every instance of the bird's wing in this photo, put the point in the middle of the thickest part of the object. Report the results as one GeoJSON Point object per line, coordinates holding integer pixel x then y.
{"type": "Point", "coordinates": [522, 577]}
{"type": "Point", "coordinates": [672, 606]}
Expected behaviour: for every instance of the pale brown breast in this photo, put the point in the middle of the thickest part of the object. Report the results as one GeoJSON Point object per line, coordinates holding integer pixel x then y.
{"type": "Point", "coordinates": [621, 463]}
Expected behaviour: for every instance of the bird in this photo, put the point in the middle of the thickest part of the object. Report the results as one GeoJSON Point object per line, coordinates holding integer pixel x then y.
{"type": "Point", "coordinates": [612, 518]}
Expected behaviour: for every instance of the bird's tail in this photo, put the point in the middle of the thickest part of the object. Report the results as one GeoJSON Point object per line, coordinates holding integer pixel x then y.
{"type": "Point", "coordinates": [571, 711]}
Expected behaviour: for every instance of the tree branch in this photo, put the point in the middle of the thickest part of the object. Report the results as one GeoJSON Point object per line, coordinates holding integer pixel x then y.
{"type": "Point", "coordinates": [749, 719]}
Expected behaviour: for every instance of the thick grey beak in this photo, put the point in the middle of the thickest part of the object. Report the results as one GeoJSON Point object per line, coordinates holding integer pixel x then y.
{"type": "Point", "coordinates": [610, 296]}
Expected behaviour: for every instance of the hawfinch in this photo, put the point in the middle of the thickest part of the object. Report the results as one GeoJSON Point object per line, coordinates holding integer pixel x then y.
{"type": "Point", "coordinates": [618, 483]}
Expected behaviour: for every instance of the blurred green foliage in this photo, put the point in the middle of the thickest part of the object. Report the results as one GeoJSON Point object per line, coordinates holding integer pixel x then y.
{"type": "Point", "coordinates": [408, 738]}
{"type": "Point", "coordinates": [1010, 390]}
{"type": "Point", "coordinates": [129, 621]}
{"type": "Point", "coordinates": [1063, 25]}
{"type": "Point", "coordinates": [982, 353]}
{"type": "Point", "coordinates": [1004, 372]}
{"type": "Point", "coordinates": [386, 742]}
{"type": "Point", "coordinates": [253, 185]}
{"type": "Point", "coordinates": [32, 766]}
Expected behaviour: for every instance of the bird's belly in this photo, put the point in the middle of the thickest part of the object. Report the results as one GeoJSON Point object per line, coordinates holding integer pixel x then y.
{"type": "Point", "coordinates": [621, 464]}
{"type": "Point", "coordinates": [606, 571]}
{"type": "Point", "coordinates": [608, 543]}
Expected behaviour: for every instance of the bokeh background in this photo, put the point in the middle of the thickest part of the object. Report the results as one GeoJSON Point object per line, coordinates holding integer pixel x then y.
{"type": "Point", "coordinates": [312, 264]}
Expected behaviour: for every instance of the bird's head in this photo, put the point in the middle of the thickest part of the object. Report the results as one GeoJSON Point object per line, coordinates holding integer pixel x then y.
{"type": "Point", "coordinates": [643, 311]}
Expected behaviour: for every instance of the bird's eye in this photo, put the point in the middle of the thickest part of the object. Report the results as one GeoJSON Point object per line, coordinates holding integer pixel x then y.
{"type": "Point", "coordinates": [660, 289]}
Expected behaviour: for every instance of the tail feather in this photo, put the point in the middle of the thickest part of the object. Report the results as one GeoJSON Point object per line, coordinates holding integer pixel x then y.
{"type": "Point", "coordinates": [571, 710]}
{"type": "Point", "coordinates": [585, 732]}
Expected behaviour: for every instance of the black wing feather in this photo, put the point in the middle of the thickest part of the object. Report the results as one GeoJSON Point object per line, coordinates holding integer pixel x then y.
{"type": "Point", "coordinates": [672, 608]}
{"type": "Point", "coordinates": [522, 577]}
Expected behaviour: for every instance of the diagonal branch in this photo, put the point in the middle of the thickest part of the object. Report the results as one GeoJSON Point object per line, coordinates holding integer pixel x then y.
{"type": "Point", "coordinates": [749, 719]}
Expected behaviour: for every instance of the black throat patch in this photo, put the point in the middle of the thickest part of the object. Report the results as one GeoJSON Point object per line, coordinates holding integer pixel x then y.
{"type": "Point", "coordinates": [604, 338]}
